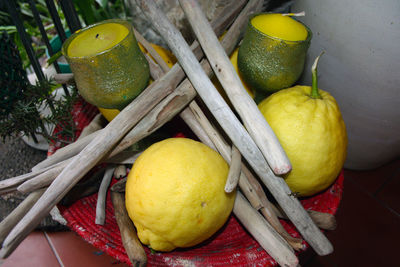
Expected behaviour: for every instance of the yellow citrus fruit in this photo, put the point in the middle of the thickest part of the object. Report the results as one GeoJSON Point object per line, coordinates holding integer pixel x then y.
{"type": "Point", "coordinates": [175, 194]}
{"type": "Point", "coordinates": [312, 133]}
{"type": "Point", "coordinates": [168, 57]}
{"type": "Point", "coordinates": [109, 113]}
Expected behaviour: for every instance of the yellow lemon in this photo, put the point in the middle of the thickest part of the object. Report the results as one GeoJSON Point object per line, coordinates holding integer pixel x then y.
{"type": "Point", "coordinates": [109, 113]}
{"type": "Point", "coordinates": [310, 128]}
{"type": "Point", "coordinates": [175, 194]}
{"type": "Point", "coordinates": [168, 57]}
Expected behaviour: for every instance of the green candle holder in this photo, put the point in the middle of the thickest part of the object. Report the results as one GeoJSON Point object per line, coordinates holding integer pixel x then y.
{"type": "Point", "coordinates": [109, 78]}
{"type": "Point", "coordinates": [269, 64]}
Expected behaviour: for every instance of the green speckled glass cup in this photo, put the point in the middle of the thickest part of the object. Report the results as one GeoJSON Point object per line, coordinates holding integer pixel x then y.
{"type": "Point", "coordinates": [109, 68]}
{"type": "Point", "coordinates": [268, 63]}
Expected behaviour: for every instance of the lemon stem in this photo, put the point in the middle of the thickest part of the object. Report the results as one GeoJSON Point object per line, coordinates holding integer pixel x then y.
{"type": "Point", "coordinates": [314, 89]}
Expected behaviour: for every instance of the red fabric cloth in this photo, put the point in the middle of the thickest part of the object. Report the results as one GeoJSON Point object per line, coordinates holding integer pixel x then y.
{"type": "Point", "coordinates": [232, 245]}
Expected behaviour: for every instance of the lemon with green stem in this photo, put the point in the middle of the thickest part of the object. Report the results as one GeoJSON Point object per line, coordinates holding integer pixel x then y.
{"type": "Point", "coordinates": [310, 128]}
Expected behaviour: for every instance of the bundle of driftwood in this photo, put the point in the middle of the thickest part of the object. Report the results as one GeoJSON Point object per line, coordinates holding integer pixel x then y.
{"type": "Point", "coordinates": [173, 93]}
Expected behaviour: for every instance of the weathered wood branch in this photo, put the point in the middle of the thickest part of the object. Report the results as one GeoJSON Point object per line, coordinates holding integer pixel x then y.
{"type": "Point", "coordinates": [132, 245]}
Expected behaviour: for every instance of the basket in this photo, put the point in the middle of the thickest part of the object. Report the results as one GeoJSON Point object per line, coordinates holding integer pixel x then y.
{"type": "Point", "coordinates": [232, 245]}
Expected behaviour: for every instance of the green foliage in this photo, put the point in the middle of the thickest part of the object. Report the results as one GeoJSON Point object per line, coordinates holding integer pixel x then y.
{"type": "Point", "coordinates": [20, 111]}
{"type": "Point", "coordinates": [93, 11]}
{"type": "Point", "coordinates": [6, 24]}
{"type": "Point", "coordinates": [25, 118]}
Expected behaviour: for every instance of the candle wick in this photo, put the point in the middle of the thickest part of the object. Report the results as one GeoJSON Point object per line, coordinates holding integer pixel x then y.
{"type": "Point", "coordinates": [97, 35]}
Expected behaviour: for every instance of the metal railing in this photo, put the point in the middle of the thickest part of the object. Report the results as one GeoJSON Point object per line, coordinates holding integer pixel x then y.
{"type": "Point", "coordinates": [71, 18]}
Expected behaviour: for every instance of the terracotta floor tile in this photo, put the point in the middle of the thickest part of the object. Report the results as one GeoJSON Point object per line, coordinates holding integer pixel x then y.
{"type": "Point", "coordinates": [33, 251]}
{"type": "Point", "coordinates": [390, 195]}
{"type": "Point", "coordinates": [373, 180]}
{"type": "Point", "coordinates": [366, 235]}
{"type": "Point", "coordinates": [75, 252]}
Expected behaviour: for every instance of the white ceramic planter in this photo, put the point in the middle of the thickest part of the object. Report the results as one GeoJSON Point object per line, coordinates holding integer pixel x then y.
{"type": "Point", "coordinates": [361, 69]}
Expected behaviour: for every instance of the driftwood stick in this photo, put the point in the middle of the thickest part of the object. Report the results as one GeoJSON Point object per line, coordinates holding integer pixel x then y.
{"type": "Point", "coordinates": [154, 72]}
{"type": "Point", "coordinates": [17, 180]}
{"type": "Point", "coordinates": [265, 235]}
{"type": "Point", "coordinates": [66, 152]}
{"type": "Point", "coordinates": [190, 120]}
{"type": "Point", "coordinates": [120, 171]}
{"type": "Point", "coordinates": [10, 184]}
{"type": "Point", "coordinates": [235, 130]}
{"type": "Point", "coordinates": [13, 218]}
{"type": "Point", "coordinates": [44, 179]}
{"type": "Point", "coordinates": [234, 170]}
{"type": "Point", "coordinates": [254, 121]}
{"type": "Point", "coordinates": [101, 197]}
{"type": "Point", "coordinates": [267, 210]}
{"type": "Point", "coordinates": [131, 243]}
{"type": "Point", "coordinates": [96, 124]}
{"type": "Point", "coordinates": [323, 220]}
{"type": "Point", "coordinates": [8, 190]}
{"type": "Point", "coordinates": [249, 192]}
{"type": "Point", "coordinates": [164, 66]}
{"type": "Point", "coordinates": [119, 186]}
{"type": "Point", "coordinates": [88, 186]}
{"type": "Point", "coordinates": [47, 177]}
{"type": "Point", "coordinates": [90, 155]}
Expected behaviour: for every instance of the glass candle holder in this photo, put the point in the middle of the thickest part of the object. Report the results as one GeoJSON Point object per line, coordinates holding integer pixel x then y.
{"type": "Point", "coordinates": [268, 63]}
{"type": "Point", "coordinates": [109, 68]}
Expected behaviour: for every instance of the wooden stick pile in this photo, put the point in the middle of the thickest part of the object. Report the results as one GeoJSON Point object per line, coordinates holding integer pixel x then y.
{"type": "Point", "coordinates": [173, 92]}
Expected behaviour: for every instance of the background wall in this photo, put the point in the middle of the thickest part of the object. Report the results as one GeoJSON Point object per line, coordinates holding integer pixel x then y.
{"type": "Point", "coordinates": [361, 70]}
